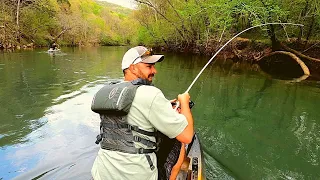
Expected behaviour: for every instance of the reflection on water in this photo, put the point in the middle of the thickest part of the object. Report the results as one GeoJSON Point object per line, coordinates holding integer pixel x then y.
{"type": "Point", "coordinates": [258, 128]}
{"type": "Point", "coordinates": [250, 126]}
{"type": "Point", "coordinates": [45, 110]}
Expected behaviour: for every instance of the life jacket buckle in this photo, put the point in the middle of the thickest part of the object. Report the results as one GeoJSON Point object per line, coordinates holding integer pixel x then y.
{"type": "Point", "coordinates": [136, 138]}
{"type": "Point", "coordinates": [141, 151]}
{"type": "Point", "coordinates": [135, 128]}
{"type": "Point", "coordinates": [99, 139]}
{"type": "Point", "coordinates": [152, 167]}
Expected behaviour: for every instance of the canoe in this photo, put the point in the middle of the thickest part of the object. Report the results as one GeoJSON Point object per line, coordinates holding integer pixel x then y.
{"type": "Point", "coordinates": [53, 50]}
{"type": "Point", "coordinates": [195, 162]}
{"type": "Point", "coordinates": [193, 166]}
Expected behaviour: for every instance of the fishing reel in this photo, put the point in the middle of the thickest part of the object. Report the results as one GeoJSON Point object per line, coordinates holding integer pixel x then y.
{"type": "Point", "coordinates": [191, 104]}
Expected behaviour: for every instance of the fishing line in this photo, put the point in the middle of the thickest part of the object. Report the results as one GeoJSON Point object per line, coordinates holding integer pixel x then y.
{"type": "Point", "coordinates": [205, 66]}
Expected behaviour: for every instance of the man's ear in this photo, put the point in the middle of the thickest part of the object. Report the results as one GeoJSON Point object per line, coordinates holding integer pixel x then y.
{"type": "Point", "coordinates": [132, 68]}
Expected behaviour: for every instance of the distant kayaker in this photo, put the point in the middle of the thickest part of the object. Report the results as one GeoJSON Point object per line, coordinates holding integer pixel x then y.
{"type": "Point", "coordinates": [53, 46]}
{"type": "Point", "coordinates": [131, 112]}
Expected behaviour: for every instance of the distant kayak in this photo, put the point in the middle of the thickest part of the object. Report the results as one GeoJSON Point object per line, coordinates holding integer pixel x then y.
{"type": "Point", "coordinates": [53, 50]}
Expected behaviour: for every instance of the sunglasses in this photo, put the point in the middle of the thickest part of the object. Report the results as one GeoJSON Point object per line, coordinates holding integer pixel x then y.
{"type": "Point", "coordinates": [147, 53]}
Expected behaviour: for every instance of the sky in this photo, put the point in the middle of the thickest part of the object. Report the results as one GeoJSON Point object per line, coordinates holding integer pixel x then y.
{"type": "Point", "coordinates": [125, 3]}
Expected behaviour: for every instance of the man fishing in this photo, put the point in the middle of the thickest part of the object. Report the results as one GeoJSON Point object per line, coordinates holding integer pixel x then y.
{"type": "Point", "coordinates": [131, 112]}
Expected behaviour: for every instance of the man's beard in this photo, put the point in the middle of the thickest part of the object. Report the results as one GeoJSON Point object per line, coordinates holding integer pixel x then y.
{"type": "Point", "coordinates": [150, 77]}
{"type": "Point", "coordinates": [142, 76]}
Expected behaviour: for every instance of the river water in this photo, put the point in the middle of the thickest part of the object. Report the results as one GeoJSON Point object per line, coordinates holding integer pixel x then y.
{"type": "Point", "coordinates": [251, 126]}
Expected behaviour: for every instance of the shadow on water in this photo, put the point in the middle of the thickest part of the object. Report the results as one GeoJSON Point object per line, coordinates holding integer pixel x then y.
{"type": "Point", "coordinates": [281, 67]}
{"type": "Point", "coordinates": [41, 175]}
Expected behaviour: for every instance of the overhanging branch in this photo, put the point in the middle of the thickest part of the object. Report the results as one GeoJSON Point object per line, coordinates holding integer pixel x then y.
{"type": "Point", "coordinates": [148, 3]}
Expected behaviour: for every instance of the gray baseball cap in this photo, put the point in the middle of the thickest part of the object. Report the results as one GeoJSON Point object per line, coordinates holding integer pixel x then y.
{"type": "Point", "coordinates": [139, 54]}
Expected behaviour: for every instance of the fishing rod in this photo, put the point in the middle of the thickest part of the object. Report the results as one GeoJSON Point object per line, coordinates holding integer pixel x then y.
{"type": "Point", "coordinates": [205, 66]}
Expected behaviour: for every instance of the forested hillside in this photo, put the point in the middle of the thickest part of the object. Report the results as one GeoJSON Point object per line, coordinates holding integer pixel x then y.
{"type": "Point", "coordinates": [198, 25]}
{"type": "Point", "coordinates": [69, 22]}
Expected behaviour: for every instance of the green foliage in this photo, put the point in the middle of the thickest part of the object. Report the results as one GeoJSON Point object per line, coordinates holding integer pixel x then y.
{"type": "Point", "coordinates": [196, 22]}
{"type": "Point", "coordinates": [88, 7]}
{"type": "Point", "coordinates": [144, 36]}
{"type": "Point", "coordinates": [175, 23]}
{"type": "Point", "coordinates": [36, 24]}
{"type": "Point", "coordinates": [69, 22]}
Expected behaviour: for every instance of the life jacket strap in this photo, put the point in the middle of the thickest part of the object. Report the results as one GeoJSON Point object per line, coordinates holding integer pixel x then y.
{"type": "Point", "coordinates": [141, 140]}
{"type": "Point", "coordinates": [150, 162]}
{"type": "Point", "coordinates": [144, 141]}
{"type": "Point", "coordinates": [127, 126]}
{"type": "Point", "coordinates": [130, 150]}
{"type": "Point", "coordinates": [141, 131]}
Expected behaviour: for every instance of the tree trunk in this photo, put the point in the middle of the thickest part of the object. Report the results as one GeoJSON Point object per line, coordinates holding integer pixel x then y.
{"type": "Point", "coordinates": [304, 67]}
{"type": "Point", "coordinates": [299, 53]}
{"type": "Point", "coordinates": [17, 21]}
{"type": "Point", "coordinates": [271, 32]}
{"type": "Point", "coordinates": [152, 6]}
{"type": "Point", "coordinates": [303, 14]}
{"type": "Point", "coordinates": [274, 41]}
{"type": "Point", "coordinates": [311, 26]}
{"type": "Point", "coordinates": [61, 33]}
{"type": "Point", "coordinates": [3, 36]}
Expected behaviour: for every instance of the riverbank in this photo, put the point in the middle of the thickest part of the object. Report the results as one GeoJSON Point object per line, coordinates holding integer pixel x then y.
{"type": "Point", "coordinates": [240, 49]}
{"type": "Point", "coordinates": [243, 48]}
{"type": "Point", "coordinates": [298, 53]}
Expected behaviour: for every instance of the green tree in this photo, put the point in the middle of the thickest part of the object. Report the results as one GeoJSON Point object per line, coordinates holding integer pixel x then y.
{"type": "Point", "coordinates": [197, 22]}
{"type": "Point", "coordinates": [71, 22]}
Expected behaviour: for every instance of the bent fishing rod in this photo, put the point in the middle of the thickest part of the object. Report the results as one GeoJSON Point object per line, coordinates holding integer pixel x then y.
{"type": "Point", "coordinates": [210, 60]}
